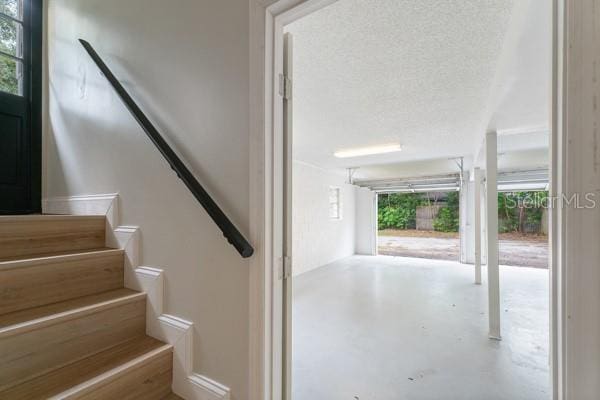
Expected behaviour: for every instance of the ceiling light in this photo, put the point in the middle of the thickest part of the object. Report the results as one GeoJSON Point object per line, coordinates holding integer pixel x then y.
{"type": "Point", "coordinates": [368, 151]}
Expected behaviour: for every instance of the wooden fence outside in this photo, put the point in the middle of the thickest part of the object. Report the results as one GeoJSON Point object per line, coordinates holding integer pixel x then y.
{"type": "Point", "coordinates": [426, 215]}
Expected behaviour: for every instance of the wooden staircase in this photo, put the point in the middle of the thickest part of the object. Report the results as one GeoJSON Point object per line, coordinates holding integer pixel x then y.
{"type": "Point", "coordinates": [68, 327]}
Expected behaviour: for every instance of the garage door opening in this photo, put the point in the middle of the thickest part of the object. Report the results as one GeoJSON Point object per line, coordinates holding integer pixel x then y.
{"type": "Point", "coordinates": [422, 225]}
{"type": "Point", "coordinates": [427, 225]}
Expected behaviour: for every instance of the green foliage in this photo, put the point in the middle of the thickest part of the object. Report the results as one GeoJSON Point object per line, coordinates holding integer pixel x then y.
{"type": "Point", "coordinates": [516, 209]}
{"type": "Point", "coordinates": [8, 44]}
{"type": "Point", "coordinates": [399, 218]}
{"type": "Point", "coordinates": [398, 210]}
{"type": "Point", "coordinates": [538, 200]}
{"type": "Point", "coordinates": [452, 200]}
{"type": "Point", "coordinates": [507, 225]}
{"type": "Point", "coordinates": [8, 76]}
{"type": "Point", "coordinates": [10, 7]}
{"type": "Point", "coordinates": [447, 218]}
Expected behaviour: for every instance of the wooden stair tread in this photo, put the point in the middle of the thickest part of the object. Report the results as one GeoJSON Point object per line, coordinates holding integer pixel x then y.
{"type": "Point", "coordinates": [67, 253]}
{"type": "Point", "coordinates": [88, 371]}
{"type": "Point", "coordinates": [69, 306]}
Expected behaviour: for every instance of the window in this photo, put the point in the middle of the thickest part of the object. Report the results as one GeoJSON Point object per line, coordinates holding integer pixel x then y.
{"type": "Point", "coordinates": [21, 27]}
{"type": "Point", "coordinates": [11, 46]}
{"type": "Point", "coordinates": [334, 203]}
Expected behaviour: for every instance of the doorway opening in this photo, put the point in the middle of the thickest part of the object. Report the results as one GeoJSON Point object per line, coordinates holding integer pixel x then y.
{"type": "Point", "coordinates": [350, 141]}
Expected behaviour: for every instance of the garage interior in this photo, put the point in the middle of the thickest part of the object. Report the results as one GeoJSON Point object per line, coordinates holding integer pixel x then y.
{"type": "Point", "coordinates": [416, 97]}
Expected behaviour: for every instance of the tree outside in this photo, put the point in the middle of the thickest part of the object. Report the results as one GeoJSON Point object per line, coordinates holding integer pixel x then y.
{"type": "Point", "coordinates": [399, 210]}
{"type": "Point", "coordinates": [522, 241]}
{"type": "Point", "coordinates": [521, 212]}
{"type": "Point", "coordinates": [8, 44]}
{"type": "Point", "coordinates": [518, 212]}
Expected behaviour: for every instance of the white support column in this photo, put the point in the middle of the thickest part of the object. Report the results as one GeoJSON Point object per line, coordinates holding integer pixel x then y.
{"type": "Point", "coordinates": [464, 218]}
{"type": "Point", "coordinates": [491, 170]}
{"type": "Point", "coordinates": [477, 222]}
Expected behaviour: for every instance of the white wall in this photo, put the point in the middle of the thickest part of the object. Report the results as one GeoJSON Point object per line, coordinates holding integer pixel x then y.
{"type": "Point", "coordinates": [366, 222]}
{"type": "Point", "coordinates": [526, 159]}
{"type": "Point", "coordinates": [317, 239]}
{"type": "Point", "coordinates": [186, 62]}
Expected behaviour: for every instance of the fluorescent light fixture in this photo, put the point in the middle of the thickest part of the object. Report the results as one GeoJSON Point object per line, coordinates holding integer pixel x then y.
{"type": "Point", "coordinates": [368, 151]}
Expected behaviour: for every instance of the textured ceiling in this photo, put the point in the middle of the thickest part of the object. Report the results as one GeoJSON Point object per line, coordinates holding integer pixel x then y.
{"type": "Point", "coordinates": [429, 74]}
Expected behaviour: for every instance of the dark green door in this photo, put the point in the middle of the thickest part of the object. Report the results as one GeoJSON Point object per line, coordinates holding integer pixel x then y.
{"type": "Point", "coordinates": [20, 106]}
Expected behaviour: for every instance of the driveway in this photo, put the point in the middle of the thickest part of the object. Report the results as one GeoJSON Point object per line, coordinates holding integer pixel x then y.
{"type": "Point", "coordinates": [516, 250]}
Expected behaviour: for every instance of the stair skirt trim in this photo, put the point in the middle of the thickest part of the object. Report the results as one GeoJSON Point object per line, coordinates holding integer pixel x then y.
{"type": "Point", "coordinates": [168, 328]}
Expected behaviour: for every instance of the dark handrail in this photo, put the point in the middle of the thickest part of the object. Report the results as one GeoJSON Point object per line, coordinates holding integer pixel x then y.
{"type": "Point", "coordinates": [229, 230]}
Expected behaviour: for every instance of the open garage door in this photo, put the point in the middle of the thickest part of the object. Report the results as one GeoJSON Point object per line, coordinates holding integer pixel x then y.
{"type": "Point", "coordinates": [523, 180]}
{"type": "Point", "coordinates": [417, 241]}
{"type": "Point", "coordinates": [508, 181]}
{"type": "Point", "coordinates": [438, 183]}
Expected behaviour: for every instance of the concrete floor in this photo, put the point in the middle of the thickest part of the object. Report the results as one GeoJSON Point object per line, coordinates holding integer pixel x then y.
{"type": "Point", "coordinates": [393, 328]}
{"type": "Point", "coordinates": [521, 253]}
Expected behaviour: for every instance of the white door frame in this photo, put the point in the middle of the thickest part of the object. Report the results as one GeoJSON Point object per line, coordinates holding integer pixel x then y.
{"type": "Point", "coordinates": [267, 21]}
{"type": "Point", "coordinates": [278, 15]}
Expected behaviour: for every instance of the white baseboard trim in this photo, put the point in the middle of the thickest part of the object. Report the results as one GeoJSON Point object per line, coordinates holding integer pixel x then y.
{"type": "Point", "coordinates": [168, 328]}
{"type": "Point", "coordinates": [209, 388]}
